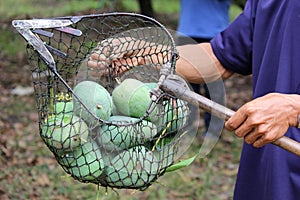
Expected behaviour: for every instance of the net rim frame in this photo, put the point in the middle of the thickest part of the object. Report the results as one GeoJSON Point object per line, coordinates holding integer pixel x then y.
{"type": "Point", "coordinates": [27, 27]}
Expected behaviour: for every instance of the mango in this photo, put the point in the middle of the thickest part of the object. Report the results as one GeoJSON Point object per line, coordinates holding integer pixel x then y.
{"type": "Point", "coordinates": [64, 132]}
{"type": "Point", "coordinates": [165, 154]}
{"type": "Point", "coordinates": [151, 85]}
{"type": "Point", "coordinates": [175, 115]}
{"type": "Point", "coordinates": [63, 107]}
{"type": "Point", "coordinates": [96, 98]}
{"type": "Point", "coordinates": [125, 132]}
{"type": "Point", "coordinates": [133, 168]}
{"type": "Point", "coordinates": [131, 98]}
{"type": "Point", "coordinates": [85, 163]}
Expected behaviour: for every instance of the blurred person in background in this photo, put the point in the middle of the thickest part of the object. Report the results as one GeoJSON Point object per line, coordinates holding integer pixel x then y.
{"type": "Point", "coordinates": [200, 21]}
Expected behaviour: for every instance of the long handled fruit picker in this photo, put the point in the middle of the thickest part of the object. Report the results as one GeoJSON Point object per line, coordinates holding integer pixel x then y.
{"type": "Point", "coordinates": [116, 123]}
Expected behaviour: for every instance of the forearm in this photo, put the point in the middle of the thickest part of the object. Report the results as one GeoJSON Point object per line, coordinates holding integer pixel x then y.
{"type": "Point", "coordinates": [198, 64]}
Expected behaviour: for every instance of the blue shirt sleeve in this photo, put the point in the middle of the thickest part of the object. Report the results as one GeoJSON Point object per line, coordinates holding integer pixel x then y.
{"type": "Point", "coordinates": [233, 46]}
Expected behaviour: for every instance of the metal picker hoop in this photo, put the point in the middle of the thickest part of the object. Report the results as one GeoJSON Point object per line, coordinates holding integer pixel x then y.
{"type": "Point", "coordinates": [92, 136]}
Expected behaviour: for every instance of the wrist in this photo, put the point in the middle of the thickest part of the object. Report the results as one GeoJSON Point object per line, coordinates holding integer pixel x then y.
{"type": "Point", "coordinates": [294, 102]}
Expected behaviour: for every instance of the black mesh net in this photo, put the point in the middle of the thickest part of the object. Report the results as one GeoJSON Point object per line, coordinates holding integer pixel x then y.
{"type": "Point", "coordinates": [96, 113]}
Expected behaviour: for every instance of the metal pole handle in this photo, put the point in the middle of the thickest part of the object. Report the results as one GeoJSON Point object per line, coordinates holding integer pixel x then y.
{"type": "Point", "coordinates": [177, 86]}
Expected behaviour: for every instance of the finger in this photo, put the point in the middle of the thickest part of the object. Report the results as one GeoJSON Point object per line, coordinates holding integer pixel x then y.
{"type": "Point", "coordinates": [126, 53]}
{"type": "Point", "coordinates": [103, 48]}
{"type": "Point", "coordinates": [100, 57]}
{"type": "Point", "coordinates": [259, 143]}
{"type": "Point", "coordinates": [126, 63]}
{"type": "Point", "coordinates": [236, 120]}
{"type": "Point", "coordinates": [97, 73]}
{"type": "Point", "coordinates": [95, 64]}
{"type": "Point", "coordinates": [117, 68]}
{"type": "Point", "coordinates": [265, 139]}
{"type": "Point", "coordinates": [252, 137]}
{"type": "Point", "coordinates": [245, 128]}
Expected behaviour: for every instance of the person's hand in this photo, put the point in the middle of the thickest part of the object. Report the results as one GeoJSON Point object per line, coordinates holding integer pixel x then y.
{"type": "Point", "coordinates": [264, 119]}
{"type": "Point", "coordinates": [118, 54]}
{"type": "Point", "coordinates": [114, 55]}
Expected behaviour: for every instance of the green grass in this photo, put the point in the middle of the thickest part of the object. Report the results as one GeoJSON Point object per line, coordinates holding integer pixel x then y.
{"type": "Point", "coordinates": [44, 8]}
{"type": "Point", "coordinates": [10, 43]}
{"type": "Point", "coordinates": [165, 6]}
{"type": "Point", "coordinates": [50, 8]}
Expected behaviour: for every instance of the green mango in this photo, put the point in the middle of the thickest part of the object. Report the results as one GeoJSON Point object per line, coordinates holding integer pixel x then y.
{"type": "Point", "coordinates": [165, 155]}
{"type": "Point", "coordinates": [151, 85]}
{"type": "Point", "coordinates": [63, 107]}
{"type": "Point", "coordinates": [86, 163]}
{"type": "Point", "coordinates": [172, 115]}
{"type": "Point", "coordinates": [133, 168]}
{"type": "Point", "coordinates": [176, 115]}
{"type": "Point", "coordinates": [132, 98]}
{"type": "Point", "coordinates": [64, 132]}
{"type": "Point", "coordinates": [96, 98]}
{"type": "Point", "coordinates": [122, 136]}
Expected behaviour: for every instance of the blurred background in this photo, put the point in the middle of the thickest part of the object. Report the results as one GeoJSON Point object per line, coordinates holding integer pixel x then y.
{"type": "Point", "coordinates": [28, 169]}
